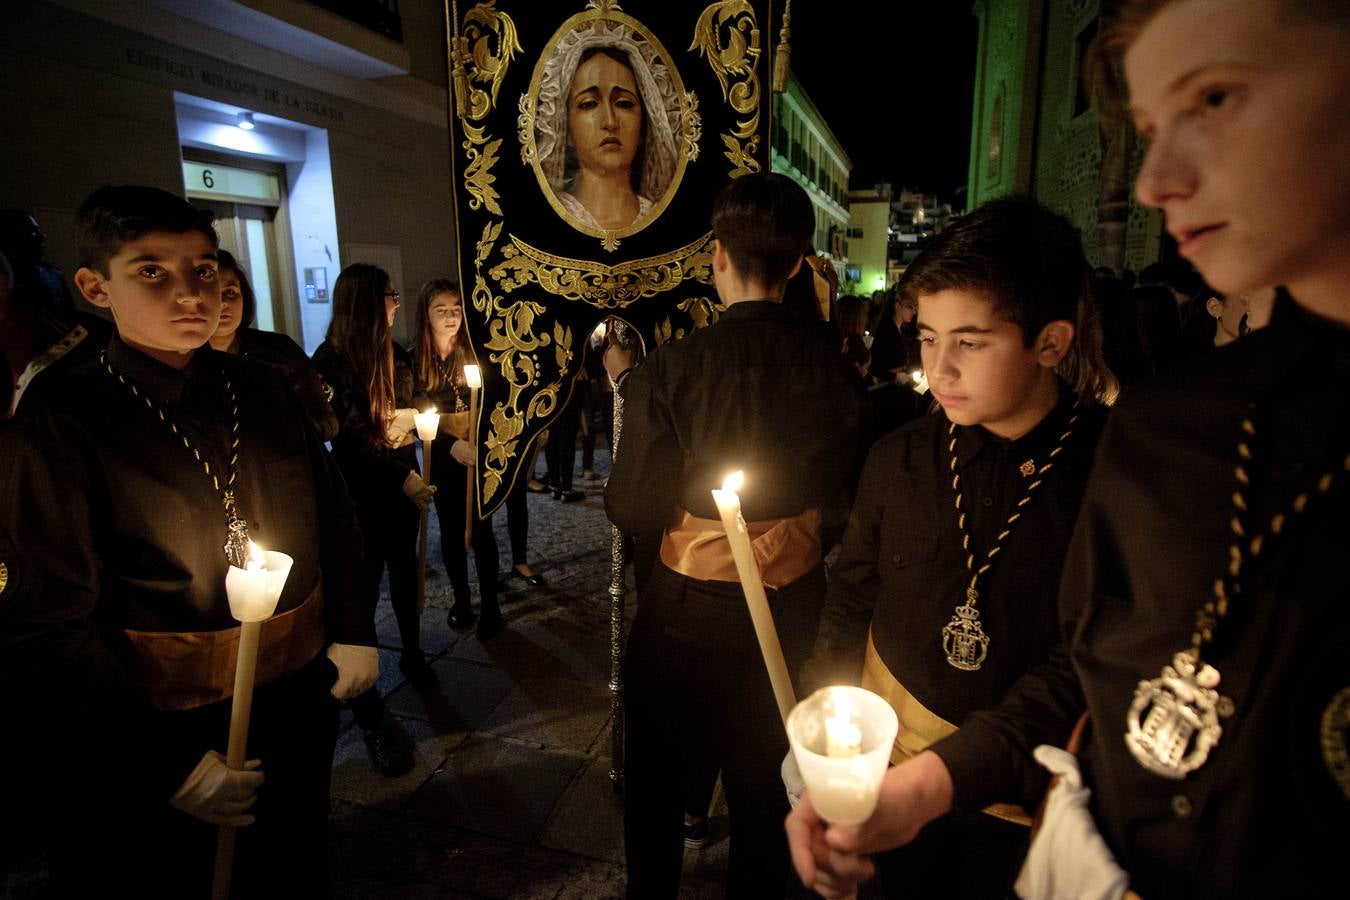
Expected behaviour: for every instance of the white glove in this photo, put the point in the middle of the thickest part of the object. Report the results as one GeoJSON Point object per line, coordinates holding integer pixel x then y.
{"type": "Point", "coordinates": [217, 794]}
{"type": "Point", "coordinates": [358, 667]}
{"type": "Point", "coordinates": [418, 491]}
{"type": "Point", "coordinates": [792, 779]}
{"type": "Point", "coordinates": [464, 453]}
{"type": "Point", "coordinates": [1068, 860]}
{"type": "Point", "coordinates": [401, 425]}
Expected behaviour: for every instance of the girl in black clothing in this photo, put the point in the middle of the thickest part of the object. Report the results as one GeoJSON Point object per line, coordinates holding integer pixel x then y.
{"type": "Point", "coordinates": [235, 334]}
{"type": "Point", "coordinates": [441, 354]}
{"type": "Point", "coordinates": [371, 379]}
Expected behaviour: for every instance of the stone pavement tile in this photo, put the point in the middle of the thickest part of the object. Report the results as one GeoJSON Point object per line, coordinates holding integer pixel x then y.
{"type": "Point", "coordinates": [589, 818]}
{"type": "Point", "coordinates": [436, 633]}
{"type": "Point", "coordinates": [553, 712]}
{"type": "Point", "coordinates": [518, 649]}
{"type": "Point", "coordinates": [574, 652]}
{"type": "Point", "coordinates": [356, 781]}
{"type": "Point", "coordinates": [464, 695]}
{"type": "Point", "coordinates": [496, 787]}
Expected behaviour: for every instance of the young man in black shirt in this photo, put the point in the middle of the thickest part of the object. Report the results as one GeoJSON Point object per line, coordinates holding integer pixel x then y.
{"type": "Point", "coordinates": [944, 591]}
{"type": "Point", "coordinates": [760, 391]}
{"type": "Point", "coordinates": [120, 487]}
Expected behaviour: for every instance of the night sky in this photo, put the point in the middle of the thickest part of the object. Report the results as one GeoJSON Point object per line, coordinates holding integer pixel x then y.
{"type": "Point", "coordinates": [895, 83]}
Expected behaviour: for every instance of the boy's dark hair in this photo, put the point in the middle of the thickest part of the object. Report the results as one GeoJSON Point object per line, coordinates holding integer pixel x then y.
{"type": "Point", "coordinates": [1029, 262]}
{"type": "Point", "coordinates": [112, 216]}
{"type": "Point", "coordinates": [226, 261]}
{"type": "Point", "coordinates": [765, 221]}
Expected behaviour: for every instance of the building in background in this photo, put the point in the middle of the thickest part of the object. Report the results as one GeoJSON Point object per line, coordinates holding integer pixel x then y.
{"type": "Point", "coordinates": [317, 132]}
{"type": "Point", "coordinates": [869, 230]}
{"type": "Point", "coordinates": [805, 150]}
{"type": "Point", "coordinates": [1033, 131]}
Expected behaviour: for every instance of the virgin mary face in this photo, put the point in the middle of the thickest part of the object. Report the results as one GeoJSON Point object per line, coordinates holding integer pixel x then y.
{"type": "Point", "coordinates": [604, 116]}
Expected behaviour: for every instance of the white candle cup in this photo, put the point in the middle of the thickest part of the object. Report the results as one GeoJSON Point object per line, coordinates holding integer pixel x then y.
{"type": "Point", "coordinates": [427, 424]}
{"type": "Point", "coordinates": [844, 787]}
{"type": "Point", "coordinates": [473, 379]}
{"type": "Point", "coordinates": [253, 592]}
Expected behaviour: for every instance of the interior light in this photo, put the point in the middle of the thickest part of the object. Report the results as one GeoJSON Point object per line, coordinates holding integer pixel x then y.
{"type": "Point", "coordinates": [246, 121]}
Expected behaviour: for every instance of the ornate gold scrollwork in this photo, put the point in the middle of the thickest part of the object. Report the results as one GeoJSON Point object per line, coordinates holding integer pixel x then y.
{"type": "Point", "coordinates": [606, 287]}
{"type": "Point", "coordinates": [735, 64]}
{"type": "Point", "coordinates": [489, 39]}
{"type": "Point", "coordinates": [691, 125]}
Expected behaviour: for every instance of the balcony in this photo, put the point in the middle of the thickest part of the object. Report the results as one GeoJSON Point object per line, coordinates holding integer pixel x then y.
{"type": "Point", "coordinates": [380, 16]}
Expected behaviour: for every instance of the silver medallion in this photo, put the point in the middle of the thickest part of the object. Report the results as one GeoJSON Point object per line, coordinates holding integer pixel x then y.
{"type": "Point", "coordinates": [1173, 722]}
{"type": "Point", "coordinates": [964, 640]}
{"type": "Point", "coordinates": [236, 534]}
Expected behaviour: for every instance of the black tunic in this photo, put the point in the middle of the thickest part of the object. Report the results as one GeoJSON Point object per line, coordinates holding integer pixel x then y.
{"type": "Point", "coordinates": [1264, 816]}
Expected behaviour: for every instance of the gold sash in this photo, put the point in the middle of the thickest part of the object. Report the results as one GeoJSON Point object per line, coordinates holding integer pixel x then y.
{"type": "Point", "coordinates": [919, 726]}
{"type": "Point", "coordinates": [188, 669]}
{"type": "Point", "coordinates": [785, 549]}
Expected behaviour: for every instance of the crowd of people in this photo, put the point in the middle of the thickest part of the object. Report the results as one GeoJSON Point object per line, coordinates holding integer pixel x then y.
{"type": "Point", "coordinates": [1080, 529]}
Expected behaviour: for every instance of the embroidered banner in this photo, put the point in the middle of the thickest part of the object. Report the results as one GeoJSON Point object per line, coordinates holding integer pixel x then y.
{"type": "Point", "coordinates": [589, 140]}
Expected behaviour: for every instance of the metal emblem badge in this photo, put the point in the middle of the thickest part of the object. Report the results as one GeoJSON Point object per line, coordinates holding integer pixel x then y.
{"type": "Point", "coordinates": [964, 640]}
{"type": "Point", "coordinates": [1027, 468]}
{"type": "Point", "coordinates": [1173, 722]}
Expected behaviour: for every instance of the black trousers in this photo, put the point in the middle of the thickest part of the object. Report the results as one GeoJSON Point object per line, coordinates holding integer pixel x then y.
{"type": "Point", "coordinates": [694, 668]}
{"type": "Point", "coordinates": [560, 454]}
{"type": "Point", "coordinates": [451, 480]}
{"type": "Point", "coordinates": [973, 857]}
{"type": "Point", "coordinates": [389, 523]}
{"type": "Point", "coordinates": [115, 838]}
{"type": "Point", "coordinates": [518, 518]}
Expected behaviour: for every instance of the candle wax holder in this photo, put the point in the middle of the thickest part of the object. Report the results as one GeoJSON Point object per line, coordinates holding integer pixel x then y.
{"type": "Point", "coordinates": [253, 592]}
{"type": "Point", "coordinates": [843, 786]}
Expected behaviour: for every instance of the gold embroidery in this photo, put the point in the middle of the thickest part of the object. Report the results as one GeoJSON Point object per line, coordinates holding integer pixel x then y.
{"type": "Point", "coordinates": [4, 577]}
{"type": "Point", "coordinates": [735, 63]}
{"type": "Point", "coordinates": [1335, 732]}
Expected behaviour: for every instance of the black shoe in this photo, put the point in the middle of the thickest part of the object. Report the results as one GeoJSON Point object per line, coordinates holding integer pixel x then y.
{"type": "Point", "coordinates": [557, 494]}
{"type": "Point", "coordinates": [415, 666]}
{"type": "Point", "coordinates": [461, 618]}
{"type": "Point", "coordinates": [572, 496]}
{"type": "Point", "coordinates": [390, 748]}
{"type": "Point", "coordinates": [490, 626]}
{"type": "Point", "coordinates": [535, 580]}
{"type": "Point", "coordinates": [696, 834]}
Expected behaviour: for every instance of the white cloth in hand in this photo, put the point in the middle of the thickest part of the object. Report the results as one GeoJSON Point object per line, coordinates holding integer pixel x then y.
{"type": "Point", "coordinates": [464, 453]}
{"type": "Point", "coordinates": [792, 779]}
{"type": "Point", "coordinates": [358, 667]}
{"type": "Point", "coordinates": [418, 491]}
{"type": "Point", "coordinates": [1069, 860]}
{"type": "Point", "coordinates": [217, 794]}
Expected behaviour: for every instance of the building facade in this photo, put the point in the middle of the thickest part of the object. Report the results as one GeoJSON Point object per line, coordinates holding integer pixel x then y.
{"type": "Point", "coordinates": [1033, 131]}
{"type": "Point", "coordinates": [319, 139]}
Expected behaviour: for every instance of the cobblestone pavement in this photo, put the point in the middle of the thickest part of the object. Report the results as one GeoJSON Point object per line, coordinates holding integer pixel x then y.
{"type": "Point", "coordinates": [511, 795]}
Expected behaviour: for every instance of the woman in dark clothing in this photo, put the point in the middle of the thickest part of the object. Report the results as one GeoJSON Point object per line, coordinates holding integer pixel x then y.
{"type": "Point", "coordinates": [441, 354]}
{"type": "Point", "coordinates": [371, 379]}
{"type": "Point", "coordinates": [236, 334]}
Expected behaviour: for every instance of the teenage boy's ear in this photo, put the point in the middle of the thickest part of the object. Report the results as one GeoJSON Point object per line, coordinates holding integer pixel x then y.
{"type": "Point", "coordinates": [1053, 343]}
{"type": "Point", "coordinates": [93, 286]}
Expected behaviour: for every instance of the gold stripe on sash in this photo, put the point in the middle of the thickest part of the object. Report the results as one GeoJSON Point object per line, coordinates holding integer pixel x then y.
{"type": "Point", "coordinates": [785, 549]}
{"type": "Point", "coordinates": [919, 726]}
{"type": "Point", "coordinates": [187, 669]}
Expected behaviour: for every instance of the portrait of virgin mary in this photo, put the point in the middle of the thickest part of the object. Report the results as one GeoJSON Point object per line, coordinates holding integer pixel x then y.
{"type": "Point", "coordinates": [606, 122]}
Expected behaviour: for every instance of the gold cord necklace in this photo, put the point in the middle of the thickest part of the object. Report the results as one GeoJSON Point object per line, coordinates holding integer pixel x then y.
{"type": "Point", "coordinates": [1173, 721]}
{"type": "Point", "coordinates": [236, 534]}
{"type": "Point", "coordinates": [963, 638]}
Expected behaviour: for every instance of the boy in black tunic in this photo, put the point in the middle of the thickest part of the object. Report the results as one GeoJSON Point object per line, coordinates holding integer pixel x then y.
{"type": "Point", "coordinates": [118, 489]}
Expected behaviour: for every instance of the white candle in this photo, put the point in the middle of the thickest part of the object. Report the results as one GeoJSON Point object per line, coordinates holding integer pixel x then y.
{"type": "Point", "coordinates": [427, 423]}
{"type": "Point", "coordinates": [729, 508]}
{"type": "Point", "coordinates": [920, 381]}
{"type": "Point", "coordinates": [842, 772]}
{"type": "Point", "coordinates": [474, 379]}
{"type": "Point", "coordinates": [253, 591]}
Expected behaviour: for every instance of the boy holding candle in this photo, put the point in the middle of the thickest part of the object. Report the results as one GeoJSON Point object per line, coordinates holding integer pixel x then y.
{"type": "Point", "coordinates": [1204, 591]}
{"type": "Point", "coordinates": [122, 490]}
{"type": "Point", "coordinates": [761, 391]}
{"type": "Point", "coordinates": [944, 592]}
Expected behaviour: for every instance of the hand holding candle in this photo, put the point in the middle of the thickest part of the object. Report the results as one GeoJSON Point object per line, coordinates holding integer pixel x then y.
{"type": "Point", "coordinates": [474, 380]}
{"type": "Point", "coordinates": [729, 508]}
{"type": "Point", "coordinates": [842, 738]}
{"type": "Point", "coordinates": [253, 593]}
{"type": "Point", "coordinates": [427, 423]}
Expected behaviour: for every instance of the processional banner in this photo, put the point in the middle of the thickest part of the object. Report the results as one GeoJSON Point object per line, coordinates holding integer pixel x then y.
{"type": "Point", "coordinates": [589, 140]}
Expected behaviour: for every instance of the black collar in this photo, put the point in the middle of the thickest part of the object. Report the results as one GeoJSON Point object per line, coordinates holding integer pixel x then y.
{"type": "Point", "coordinates": [163, 384]}
{"type": "Point", "coordinates": [971, 440]}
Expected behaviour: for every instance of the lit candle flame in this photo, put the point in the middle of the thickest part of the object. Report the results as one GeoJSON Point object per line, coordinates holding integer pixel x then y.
{"type": "Point", "coordinates": [917, 375]}
{"type": "Point", "coordinates": [428, 411]}
{"type": "Point", "coordinates": [256, 560]}
{"type": "Point", "coordinates": [732, 483]}
{"type": "Point", "coordinates": [842, 737]}
{"type": "Point", "coordinates": [472, 377]}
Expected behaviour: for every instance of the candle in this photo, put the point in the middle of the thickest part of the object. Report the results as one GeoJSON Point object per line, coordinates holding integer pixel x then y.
{"type": "Point", "coordinates": [841, 737]}
{"type": "Point", "coordinates": [729, 508]}
{"type": "Point", "coordinates": [252, 592]}
{"type": "Point", "coordinates": [427, 424]}
{"type": "Point", "coordinates": [920, 381]}
{"type": "Point", "coordinates": [474, 379]}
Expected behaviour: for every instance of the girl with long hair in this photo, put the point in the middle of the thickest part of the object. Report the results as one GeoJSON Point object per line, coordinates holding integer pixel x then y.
{"type": "Point", "coordinates": [371, 379]}
{"type": "Point", "coordinates": [441, 351]}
